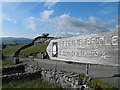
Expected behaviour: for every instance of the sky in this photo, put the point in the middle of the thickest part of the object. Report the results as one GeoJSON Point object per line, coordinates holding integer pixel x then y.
{"type": "Point", "coordinates": [59, 19]}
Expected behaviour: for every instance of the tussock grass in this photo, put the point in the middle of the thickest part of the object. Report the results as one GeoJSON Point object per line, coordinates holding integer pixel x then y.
{"type": "Point", "coordinates": [102, 84]}
{"type": "Point", "coordinates": [30, 84]}
{"type": "Point", "coordinates": [10, 50]}
{"type": "Point", "coordinates": [6, 63]}
{"type": "Point", "coordinates": [40, 47]}
{"type": "Point", "coordinates": [97, 84]}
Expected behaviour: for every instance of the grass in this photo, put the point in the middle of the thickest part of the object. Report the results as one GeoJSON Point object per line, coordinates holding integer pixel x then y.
{"type": "Point", "coordinates": [95, 83]}
{"type": "Point", "coordinates": [101, 84]}
{"type": "Point", "coordinates": [30, 84]}
{"type": "Point", "coordinates": [40, 84]}
{"type": "Point", "coordinates": [6, 63]}
{"type": "Point", "coordinates": [10, 50]}
{"type": "Point", "coordinates": [0, 63]}
{"type": "Point", "coordinates": [40, 47]}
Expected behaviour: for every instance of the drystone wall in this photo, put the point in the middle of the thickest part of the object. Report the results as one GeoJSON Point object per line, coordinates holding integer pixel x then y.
{"type": "Point", "coordinates": [21, 76]}
{"type": "Point", "coordinates": [20, 68]}
{"type": "Point", "coordinates": [61, 78]}
{"type": "Point", "coordinates": [64, 79]}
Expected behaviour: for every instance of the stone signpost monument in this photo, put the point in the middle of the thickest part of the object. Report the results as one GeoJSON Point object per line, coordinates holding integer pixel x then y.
{"type": "Point", "coordinates": [99, 48]}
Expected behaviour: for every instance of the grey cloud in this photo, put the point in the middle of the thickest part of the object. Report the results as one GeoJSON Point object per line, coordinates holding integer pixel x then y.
{"type": "Point", "coordinates": [66, 24]}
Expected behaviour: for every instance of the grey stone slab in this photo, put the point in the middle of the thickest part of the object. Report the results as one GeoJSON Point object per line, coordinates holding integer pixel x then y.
{"type": "Point", "coordinates": [95, 49]}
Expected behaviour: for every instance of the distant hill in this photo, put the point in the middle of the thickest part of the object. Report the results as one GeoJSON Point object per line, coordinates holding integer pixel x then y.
{"type": "Point", "coordinates": [13, 40]}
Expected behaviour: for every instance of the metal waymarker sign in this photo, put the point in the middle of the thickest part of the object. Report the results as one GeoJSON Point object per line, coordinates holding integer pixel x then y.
{"type": "Point", "coordinates": [95, 49]}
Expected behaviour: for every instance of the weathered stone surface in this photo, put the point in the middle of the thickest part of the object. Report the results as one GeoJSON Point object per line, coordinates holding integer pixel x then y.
{"type": "Point", "coordinates": [61, 78]}
{"type": "Point", "coordinates": [20, 68]}
{"type": "Point", "coordinates": [21, 77]}
{"type": "Point", "coordinates": [95, 49]}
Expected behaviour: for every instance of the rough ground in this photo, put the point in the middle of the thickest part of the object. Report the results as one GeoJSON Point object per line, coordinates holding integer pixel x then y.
{"type": "Point", "coordinates": [100, 72]}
